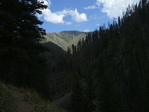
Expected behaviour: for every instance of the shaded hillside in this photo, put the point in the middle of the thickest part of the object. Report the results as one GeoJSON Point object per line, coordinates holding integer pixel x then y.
{"type": "Point", "coordinates": [54, 54]}
{"type": "Point", "coordinates": [54, 49]}
{"type": "Point", "coordinates": [110, 67]}
{"type": "Point", "coordinates": [64, 39]}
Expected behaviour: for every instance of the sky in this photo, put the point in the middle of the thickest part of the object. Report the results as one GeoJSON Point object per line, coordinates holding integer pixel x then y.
{"type": "Point", "coordinates": [81, 15]}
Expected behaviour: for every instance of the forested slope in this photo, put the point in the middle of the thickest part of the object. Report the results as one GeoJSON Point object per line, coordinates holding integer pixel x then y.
{"type": "Point", "coordinates": [111, 65]}
{"type": "Point", "coordinates": [105, 72]}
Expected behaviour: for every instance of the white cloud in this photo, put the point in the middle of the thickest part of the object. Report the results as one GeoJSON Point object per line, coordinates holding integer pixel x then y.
{"type": "Point", "coordinates": [53, 17]}
{"type": "Point", "coordinates": [76, 16]}
{"type": "Point", "coordinates": [58, 17]}
{"type": "Point", "coordinates": [115, 8]}
{"type": "Point", "coordinates": [91, 7]}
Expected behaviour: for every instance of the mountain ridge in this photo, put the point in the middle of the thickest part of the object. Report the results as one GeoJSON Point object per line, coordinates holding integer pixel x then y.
{"type": "Point", "coordinates": [64, 39]}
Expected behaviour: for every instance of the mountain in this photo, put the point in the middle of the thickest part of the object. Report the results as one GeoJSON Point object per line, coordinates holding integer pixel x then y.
{"type": "Point", "coordinates": [55, 53]}
{"type": "Point", "coordinates": [64, 39]}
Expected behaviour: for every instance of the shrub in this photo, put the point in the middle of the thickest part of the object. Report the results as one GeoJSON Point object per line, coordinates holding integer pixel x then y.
{"type": "Point", "coordinates": [7, 101]}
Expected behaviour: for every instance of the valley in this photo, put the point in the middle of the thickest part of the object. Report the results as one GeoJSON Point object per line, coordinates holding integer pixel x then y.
{"type": "Point", "coordinates": [64, 39]}
{"type": "Point", "coordinates": [106, 70]}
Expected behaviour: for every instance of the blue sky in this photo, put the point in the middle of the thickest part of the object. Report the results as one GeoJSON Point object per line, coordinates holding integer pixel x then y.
{"type": "Point", "coordinates": [81, 15]}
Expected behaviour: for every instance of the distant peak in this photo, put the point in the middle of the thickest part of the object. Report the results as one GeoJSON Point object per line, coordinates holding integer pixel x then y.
{"type": "Point", "coordinates": [69, 31]}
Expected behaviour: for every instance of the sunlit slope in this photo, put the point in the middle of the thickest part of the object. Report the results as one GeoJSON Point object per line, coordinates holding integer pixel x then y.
{"type": "Point", "coordinates": [64, 39]}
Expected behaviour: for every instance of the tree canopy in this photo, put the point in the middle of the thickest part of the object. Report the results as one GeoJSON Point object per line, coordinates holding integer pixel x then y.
{"type": "Point", "coordinates": [21, 59]}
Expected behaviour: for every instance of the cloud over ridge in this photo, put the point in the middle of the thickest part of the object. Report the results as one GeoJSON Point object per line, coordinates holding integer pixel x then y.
{"type": "Point", "coordinates": [58, 17]}
{"type": "Point", "coordinates": [115, 8]}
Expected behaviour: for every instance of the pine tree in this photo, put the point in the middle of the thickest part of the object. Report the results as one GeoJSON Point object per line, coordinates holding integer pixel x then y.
{"type": "Point", "coordinates": [109, 96]}
{"type": "Point", "coordinates": [76, 102]}
{"type": "Point", "coordinates": [90, 95]}
{"type": "Point", "coordinates": [20, 49]}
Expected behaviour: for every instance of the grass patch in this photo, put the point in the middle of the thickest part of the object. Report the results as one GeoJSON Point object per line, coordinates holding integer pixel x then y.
{"type": "Point", "coordinates": [41, 105]}
{"type": "Point", "coordinates": [7, 101]}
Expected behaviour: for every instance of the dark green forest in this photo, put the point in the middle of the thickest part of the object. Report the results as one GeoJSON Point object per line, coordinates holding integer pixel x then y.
{"type": "Point", "coordinates": [105, 72]}
{"type": "Point", "coordinates": [21, 60]}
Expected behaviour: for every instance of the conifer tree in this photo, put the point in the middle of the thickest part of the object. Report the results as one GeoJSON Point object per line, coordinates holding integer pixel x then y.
{"type": "Point", "coordinates": [90, 95]}
{"type": "Point", "coordinates": [20, 48]}
{"type": "Point", "coordinates": [76, 104]}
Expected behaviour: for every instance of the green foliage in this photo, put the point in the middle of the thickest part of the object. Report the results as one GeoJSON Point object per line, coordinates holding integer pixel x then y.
{"type": "Point", "coordinates": [9, 104]}
{"type": "Point", "coordinates": [109, 96]}
{"type": "Point", "coordinates": [21, 57]}
{"type": "Point", "coordinates": [41, 105]}
{"type": "Point", "coordinates": [7, 101]}
{"type": "Point", "coordinates": [117, 58]}
{"type": "Point", "coordinates": [111, 63]}
{"type": "Point", "coordinates": [90, 95]}
{"type": "Point", "coordinates": [77, 100]}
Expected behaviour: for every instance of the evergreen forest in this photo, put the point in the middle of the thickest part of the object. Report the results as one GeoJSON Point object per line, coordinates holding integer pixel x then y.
{"type": "Point", "coordinates": [107, 71]}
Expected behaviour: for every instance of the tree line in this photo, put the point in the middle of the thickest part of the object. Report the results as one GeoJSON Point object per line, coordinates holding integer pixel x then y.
{"type": "Point", "coordinates": [112, 64]}
{"type": "Point", "coordinates": [106, 72]}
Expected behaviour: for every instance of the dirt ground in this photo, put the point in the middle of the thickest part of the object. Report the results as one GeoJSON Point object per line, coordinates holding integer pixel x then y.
{"type": "Point", "coordinates": [22, 105]}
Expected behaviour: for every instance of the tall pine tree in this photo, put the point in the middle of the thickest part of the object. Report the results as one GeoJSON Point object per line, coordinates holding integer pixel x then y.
{"type": "Point", "coordinates": [20, 48]}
